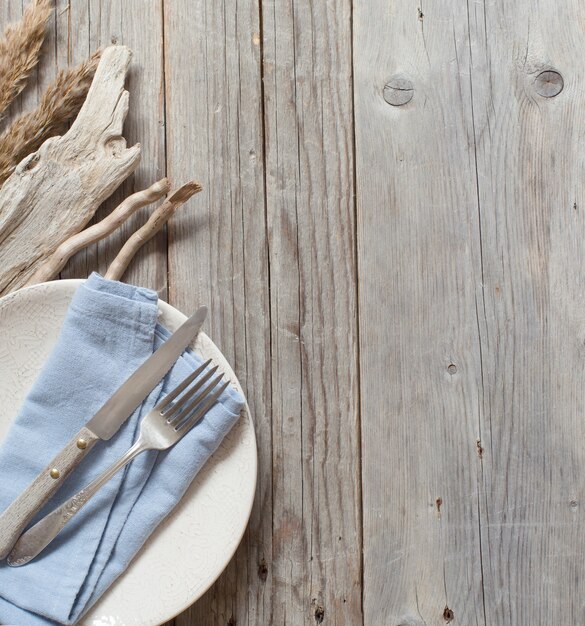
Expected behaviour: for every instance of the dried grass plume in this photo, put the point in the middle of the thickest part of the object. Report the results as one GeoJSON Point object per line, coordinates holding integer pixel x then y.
{"type": "Point", "coordinates": [60, 103]}
{"type": "Point", "coordinates": [19, 50]}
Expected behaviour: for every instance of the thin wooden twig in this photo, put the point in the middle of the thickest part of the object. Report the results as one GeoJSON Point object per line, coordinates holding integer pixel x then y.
{"type": "Point", "coordinates": [19, 50]}
{"type": "Point", "coordinates": [156, 221]}
{"type": "Point", "coordinates": [57, 261]}
{"type": "Point", "coordinates": [59, 104]}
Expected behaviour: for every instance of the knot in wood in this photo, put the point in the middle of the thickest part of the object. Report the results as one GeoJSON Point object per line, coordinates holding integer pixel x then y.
{"type": "Point", "coordinates": [549, 84]}
{"type": "Point", "coordinates": [448, 615]}
{"type": "Point", "coordinates": [398, 91]}
{"type": "Point", "coordinates": [263, 570]}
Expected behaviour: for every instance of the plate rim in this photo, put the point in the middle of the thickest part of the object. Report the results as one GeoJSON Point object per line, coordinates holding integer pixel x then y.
{"type": "Point", "coordinates": [57, 284]}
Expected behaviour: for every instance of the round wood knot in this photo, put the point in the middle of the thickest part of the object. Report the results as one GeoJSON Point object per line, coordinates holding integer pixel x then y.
{"type": "Point", "coordinates": [319, 614]}
{"type": "Point", "coordinates": [549, 84]}
{"type": "Point", "coordinates": [398, 91]}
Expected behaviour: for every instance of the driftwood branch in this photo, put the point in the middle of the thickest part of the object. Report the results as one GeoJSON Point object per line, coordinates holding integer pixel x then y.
{"type": "Point", "coordinates": [57, 261]}
{"type": "Point", "coordinates": [157, 220]}
{"type": "Point", "coordinates": [54, 192]}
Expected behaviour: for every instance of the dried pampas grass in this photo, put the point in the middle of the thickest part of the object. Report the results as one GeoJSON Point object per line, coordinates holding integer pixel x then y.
{"type": "Point", "coordinates": [19, 50]}
{"type": "Point", "coordinates": [60, 104]}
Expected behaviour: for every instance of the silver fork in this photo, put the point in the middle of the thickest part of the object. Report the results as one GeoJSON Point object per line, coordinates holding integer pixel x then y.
{"type": "Point", "coordinates": [169, 421]}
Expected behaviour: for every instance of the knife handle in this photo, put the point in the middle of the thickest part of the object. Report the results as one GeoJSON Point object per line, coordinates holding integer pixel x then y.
{"type": "Point", "coordinates": [17, 516]}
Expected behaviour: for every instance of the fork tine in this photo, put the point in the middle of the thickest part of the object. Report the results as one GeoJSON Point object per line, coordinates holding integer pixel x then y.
{"type": "Point", "coordinates": [194, 412]}
{"type": "Point", "coordinates": [180, 388]}
{"type": "Point", "coordinates": [196, 417]}
{"type": "Point", "coordinates": [175, 410]}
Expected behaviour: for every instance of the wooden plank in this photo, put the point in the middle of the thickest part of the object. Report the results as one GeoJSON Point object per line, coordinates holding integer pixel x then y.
{"type": "Point", "coordinates": [82, 28]}
{"type": "Point", "coordinates": [310, 215]}
{"type": "Point", "coordinates": [530, 157]}
{"type": "Point", "coordinates": [419, 284]}
{"type": "Point", "coordinates": [218, 246]}
{"type": "Point", "coordinates": [259, 585]}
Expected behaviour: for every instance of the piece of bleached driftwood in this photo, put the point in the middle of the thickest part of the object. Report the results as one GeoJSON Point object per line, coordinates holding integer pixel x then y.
{"type": "Point", "coordinates": [54, 192]}
{"type": "Point", "coordinates": [57, 261]}
{"type": "Point", "coordinates": [156, 221]}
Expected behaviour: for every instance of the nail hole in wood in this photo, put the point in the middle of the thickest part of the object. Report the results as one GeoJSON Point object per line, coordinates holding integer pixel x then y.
{"type": "Point", "coordinates": [479, 448]}
{"type": "Point", "coordinates": [452, 369]}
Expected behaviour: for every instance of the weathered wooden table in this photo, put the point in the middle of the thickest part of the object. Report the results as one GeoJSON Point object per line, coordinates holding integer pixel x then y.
{"type": "Point", "coordinates": [391, 243]}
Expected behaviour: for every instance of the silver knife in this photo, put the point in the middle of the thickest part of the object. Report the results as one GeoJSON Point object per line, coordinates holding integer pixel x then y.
{"type": "Point", "coordinates": [102, 426]}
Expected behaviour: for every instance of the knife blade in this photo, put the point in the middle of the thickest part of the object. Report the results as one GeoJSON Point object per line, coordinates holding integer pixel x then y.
{"type": "Point", "coordinates": [117, 409]}
{"type": "Point", "coordinates": [102, 426]}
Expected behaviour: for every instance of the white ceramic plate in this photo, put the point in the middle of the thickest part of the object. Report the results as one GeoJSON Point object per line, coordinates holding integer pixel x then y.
{"type": "Point", "coordinates": [188, 551]}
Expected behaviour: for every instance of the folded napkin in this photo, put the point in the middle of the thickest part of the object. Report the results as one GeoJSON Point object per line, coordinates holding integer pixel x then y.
{"type": "Point", "coordinates": [110, 329]}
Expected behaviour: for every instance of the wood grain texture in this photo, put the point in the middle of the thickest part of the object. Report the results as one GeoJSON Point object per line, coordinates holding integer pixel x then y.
{"type": "Point", "coordinates": [420, 297]}
{"type": "Point", "coordinates": [300, 559]}
{"type": "Point", "coordinates": [19, 514]}
{"type": "Point", "coordinates": [530, 158]}
{"type": "Point", "coordinates": [310, 217]}
{"type": "Point", "coordinates": [218, 247]}
{"type": "Point", "coordinates": [472, 247]}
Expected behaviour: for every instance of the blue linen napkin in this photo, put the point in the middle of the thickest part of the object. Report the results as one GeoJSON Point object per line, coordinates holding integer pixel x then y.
{"type": "Point", "coordinates": [109, 330]}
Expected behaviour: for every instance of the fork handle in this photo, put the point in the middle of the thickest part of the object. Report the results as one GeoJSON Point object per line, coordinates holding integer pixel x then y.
{"type": "Point", "coordinates": [37, 538]}
{"type": "Point", "coordinates": [19, 514]}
